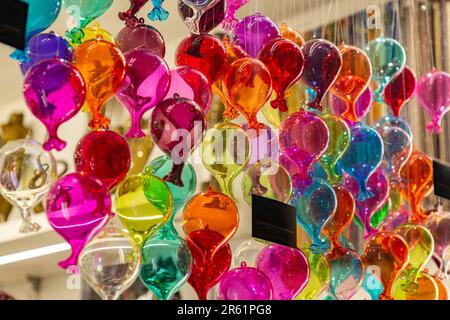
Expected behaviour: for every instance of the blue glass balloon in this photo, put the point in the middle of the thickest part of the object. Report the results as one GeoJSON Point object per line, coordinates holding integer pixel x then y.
{"type": "Point", "coordinates": [41, 15]}
{"type": "Point", "coordinates": [166, 263]}
{"type": "Point", "coordinates": [44, 46]}
{"type": "Point", "coordinates": [390, 121]}
{"type": "Point", "coordinates": [372, 284]}
{"type": "Point", "coordinates": [314, 207]}
{"type": "Point", "coordinates": [347, 273]}
{"type": "Point", "coordinates": [362, 157]}
{"type": "Point", "coordinates": [158, 12]}
{"type": "Point", "coordinates": [161, 166]}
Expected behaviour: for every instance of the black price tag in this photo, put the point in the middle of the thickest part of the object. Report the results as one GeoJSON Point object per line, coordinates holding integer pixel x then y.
{"type": "Point", "coordinates": [13, 23]}
{"type": "Point", "coordinates": [441, 176]}
{"type": "Point", "coordinates": [274, 221]}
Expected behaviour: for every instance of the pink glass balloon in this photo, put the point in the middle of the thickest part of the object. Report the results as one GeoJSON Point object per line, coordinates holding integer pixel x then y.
{"type": "Point", "coordinates": [287, 269]}
{"type": "Point", "coordinates": [141, 36]}
{"type": "Point", "coordinates": [230, 17]}
{"type": "Point", "coordinates": [78, 206]}
{"type": "Point", "coordinates": [244, 283]}
{"type": "Point", "coordinates": [362, 107]}
{"type": "Point", "coordinates": [186, 82]}
{"type": "Point", "coordinates": [54, 91]}
{"type": "Point", "coordinates": [146, 83]}
{"type": "Point", "coordinates": [378, 184]}
{"type": "Point", "coordinates": [303, 139]}
{"type": "Point", "coordinates": [433, 91]}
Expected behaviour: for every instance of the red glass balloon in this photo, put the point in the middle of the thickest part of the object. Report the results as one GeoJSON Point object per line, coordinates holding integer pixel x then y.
{"type": "Point", "coordinates": [284, 60]}
{"type": "Point", "coordinates": [206, 273]}
{"type": "Point", "coordinates": [141, 36]}
{"type": "Point", "coordinates": [204, 53]}
{"type": "Point", "coordinates": [400, 90]}
{"type": "Point", "coordinates": [105, 155]}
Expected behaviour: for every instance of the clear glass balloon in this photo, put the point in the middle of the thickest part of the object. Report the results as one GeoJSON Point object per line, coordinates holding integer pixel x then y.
{"type": "Point", "coordinates": [247, 252]}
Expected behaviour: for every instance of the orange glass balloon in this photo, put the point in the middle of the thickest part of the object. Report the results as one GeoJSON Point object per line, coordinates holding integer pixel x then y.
{"type": "Point", "coordinates": [234, 52]}
{"type": "Point", "coordinates": [387, 253]}
{"type": "Point", "coordinates": [443, 289]}
{"type": "Point", "coordinates": [247, 85]}
{"type": "Point", "coordinates": [211, 211]}
{"type": "Point", "coordinates": [353, 79]}
{"type": "Point", "coordinates": [287, 32]}
{"type": "Point", "coordinates": [341, 219]}
{"type": "Point", "coordinates": [417, 183]}
{"type": "Point", "coordinates": [102, 66]}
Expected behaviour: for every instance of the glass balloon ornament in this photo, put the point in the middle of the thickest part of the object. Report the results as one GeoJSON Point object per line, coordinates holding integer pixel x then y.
{"type": "Point", "coordinates": [95, 32]}
{"type": "Point", "coordinates": [141, 36]}
{"type": "Point", "coordinates": [225, 153]}
{"type": "Point", "coordinates": [253, 32]}
{"type": "Point", "coordinates": [146, 84]}
{"type": "Point", "coordinates": [400, 90]}
{"type": "Point", "coordinates": [438, 223]}
{"type": "Point", "coordinates": [372, 283]}
{"type": "Point", "coordinates": [103, 68]}
{"type": "Point", "coordinates": [210, 211]}
{"type": "Point", "coordinates": [244, 283]}
{"type": "Point", "coordinates": [140, 149]}
{"type": "Point", "coordinates": [177, 126]}
{"type": "Point", "coordinates": [425, 288]}
{"type": "Point", "coordinates": [267, 179]}
{"type": "Point", "coordinates": [230, 20]}
{"type": "Point", "coordinates": [78, 207]}
{"type": "Point", "coordinates": [45, 46]}
{"type": "Point", "coordinates": [263, 144]}
{"type": "Point", "coordinates": [110, 262]}
{"type": "Point", "coordinates": [166, 263]}
{"type": "Point", "coordinates": [27, 172]}
{"type": "Point", "coordinates": [201, 16]}
{"type": "Point", "coordinates": [389, 121]}
{"type": "Point", "coordinates": [289, 33]}
{"type": "Point", "coordinates": [189, 83]}
{"type": "Point", "coordinates": [54, 91]}
{"type": "Point", "coordinates": [284, 60]}
{"type": "Point", "coordinates": [315, 207]}
{"type": "Point", "coordinates": [158, 13]}
{"type": "Point", "coordinates": [304, 138]}
{"type": "Point", "coordinates": [397, 150]}
{"type": "Point", "coordinates": [323, 62]}
{"type": "Point", "coordinates": [362, 105]}
{"type": "Point", "coordinates": [143, 204]}
{"type": "Point", "coordinates": [247, 85]}
{"type": "Point", "coordinates": [287, 268]}
{"type": "Point", "coordinates": [433, 92]}
{"type": "Point", "coordinates": [388, 58]}
{"type": "Point", "coordinates": [362, 157]}
{"type": "Point", "coordinates": [319, 276]}
{"type": "Point", "coordinates": [129, 16]}
{"type": "Point", "coordinates": [352, 80]}
{"type": "Point", "coordinates": [387, 252]}
{"type": "Point", "coordinates": [338, 143]}
{"type": "Point", "coordinates": [105, 155]}
{"type": "Point", "coordinates": [443, 289]}
{"type": "Point", "coordinates": [247, 252]}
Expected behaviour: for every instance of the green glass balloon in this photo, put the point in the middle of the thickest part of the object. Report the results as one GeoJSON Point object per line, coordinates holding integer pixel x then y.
{"type": "Point", "coordinates": [380, 215]}
{"type": "Point", "coordinates": [338, 143]}
{"type": "Point", "coordinates": [166, 263]}
{"type": "Point", "coordinates": [388, 58]}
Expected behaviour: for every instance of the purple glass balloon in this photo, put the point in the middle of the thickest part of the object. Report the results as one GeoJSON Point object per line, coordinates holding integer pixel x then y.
{"type": "Point", "coordinates": [263, 144]}
{"type": "Point", "coordinates": [146, 83]}
{"type": "Point", "coordinates": [78, 206]}
{"type": "Point", "coordinates": [433, 91]}
{"type": "Point", "coordinates": [253, 32]}
{"type": "Point", "coordinates": [378, 184]}
{"type": "Point", "coordinates": [54, 91]}
{"type": "Point", "coordinates": [287, 269]}
{"type": "Point", "coordinates": [191, 84]}
{"type": "Point", "coordinates": [44, 46]}
{"type": "Point", "coordinates": [141, 36]}
{"type": "Point", "coordinates": [244, 283]}
{"type": "Point", "coordinates": [362, 105]}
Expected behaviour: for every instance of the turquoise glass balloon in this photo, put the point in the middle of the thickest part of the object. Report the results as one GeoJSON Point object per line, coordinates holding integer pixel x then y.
{"type": "Point", "coordinates": [388, 58]}
{"type": "Point", "coordinates": [362, 157]}
{"type": "Point", "coordinates": [372, 284]}
{"type": "Point", "coordinates": [166, 263]}
{"type": "Point", "coordinates": [317, 171]}
{"type": "Point", "coordinates": [161, 167]}
{"type": "Point", "coordinates": [390, 121]}
{"type": "Point", "coordinates": [314, 208]}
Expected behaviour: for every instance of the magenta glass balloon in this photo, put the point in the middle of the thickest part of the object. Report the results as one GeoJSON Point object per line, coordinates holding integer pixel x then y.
{"type": "Point", "coordinates": [141, 36]}
{"type": "Point", "coordinates": [263, 144]}
{"type": "Point", "coordinates": [303, 139]}
{"type": "Point", "coordinates": [287, 269]}
{"type": "Point", "coordinates": [363, 105]}
{"type": "Point", "coordinates": [433, 91]}
{"type": "Point", "coordinates": [78, 206]}
{"type": "Point", "coordinates": [177, 126]}
{"type": "Point", "coordinates": [191, 84]}
{"type": "Point", "coordinates": [323, 62]}
{"type": "Point", "coordinates": [230, 18]}
{"type": "Point", "coordinates": [54, 91]}
{"type": "Point", "coordinates": [253, 32]}
{"type": "Point", "coordinates": [378, 185]}
{"type": "Point", "coordinates": [244, 283]}
{"type": "Point", "coordinates": [146, 83]}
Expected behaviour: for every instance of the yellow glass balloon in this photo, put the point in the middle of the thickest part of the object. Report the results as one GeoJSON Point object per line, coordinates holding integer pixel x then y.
{"type": "Point", "coordinates": [95, 32]}
{"type": "Point", "coordinates": [143, 203]}
{"type": "Point", "coordinates": [425, 288]}
{"type": "Point", "coordinates": [225, 153]}
{"type": "Point", "coordinates": [140, 153]}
